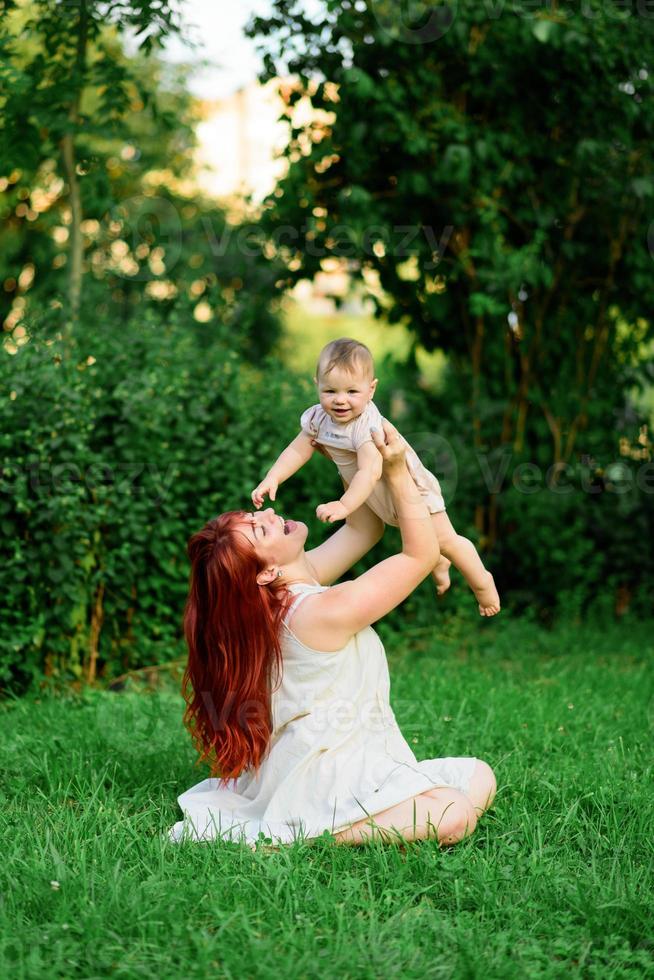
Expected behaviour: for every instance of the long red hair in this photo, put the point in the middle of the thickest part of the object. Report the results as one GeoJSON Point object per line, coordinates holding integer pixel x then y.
{"type": "Point", "coordinates": [232, 628]}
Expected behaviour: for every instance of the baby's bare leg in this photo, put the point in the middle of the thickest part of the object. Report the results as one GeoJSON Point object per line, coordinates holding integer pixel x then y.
{"type": "Point", "coordinates": [441, 575]}
{"type": "Point", "coordinates": [463, 555]}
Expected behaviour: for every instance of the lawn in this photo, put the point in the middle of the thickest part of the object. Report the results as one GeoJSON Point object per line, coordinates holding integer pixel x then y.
{"type": "Point", "coordinates": [556, 882]}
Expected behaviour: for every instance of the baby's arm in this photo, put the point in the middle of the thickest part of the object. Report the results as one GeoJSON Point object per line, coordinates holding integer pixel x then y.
{"type": "Point", "coordinates": [369, 467]}
{"type": "Point", "coordinates": [296, 454]}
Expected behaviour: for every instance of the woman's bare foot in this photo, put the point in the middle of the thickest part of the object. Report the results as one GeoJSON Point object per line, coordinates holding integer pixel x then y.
{"type": "Point", "coordinates": [488, 597]}
{"type": "Point", "coordinates": [441, 575]}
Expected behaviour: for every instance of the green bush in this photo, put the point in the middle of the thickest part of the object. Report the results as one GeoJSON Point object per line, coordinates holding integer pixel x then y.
{"type": "Point", "coordinates": [113, 452]}
{"type": "Point", "coordinates": [117, 448]}
{"type": "Point", "coordinates": [576, 545]}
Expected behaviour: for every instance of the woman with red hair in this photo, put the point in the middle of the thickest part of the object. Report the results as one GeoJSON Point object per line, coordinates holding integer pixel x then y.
{"type": "Point", "coordinates": [287, 684]}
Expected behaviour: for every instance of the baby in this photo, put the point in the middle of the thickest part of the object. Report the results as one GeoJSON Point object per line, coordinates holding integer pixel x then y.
{"type": "Point", "coordinates": [341, 426]}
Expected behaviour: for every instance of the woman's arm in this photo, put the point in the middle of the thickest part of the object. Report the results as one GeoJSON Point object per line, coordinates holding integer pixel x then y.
{"type": "Point", "coordinates": [337, 554]}
{"type": "Point", "coordinates": [328, 620]}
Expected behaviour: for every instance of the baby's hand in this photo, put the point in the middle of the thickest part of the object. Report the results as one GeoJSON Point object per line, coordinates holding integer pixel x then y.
{"type": "Point", "coordinates": [267, 486]}
{"type": "Point", "coordinates": [333, 511]}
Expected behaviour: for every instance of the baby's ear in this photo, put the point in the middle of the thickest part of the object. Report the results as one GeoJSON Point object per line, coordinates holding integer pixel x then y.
{"type": "Point", "coordinates": [373, 386]}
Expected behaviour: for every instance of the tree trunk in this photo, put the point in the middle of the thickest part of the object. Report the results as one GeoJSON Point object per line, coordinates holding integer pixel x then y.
{"type": "Point", "coordinates": [477, 351]}
{"type": "Point", "coordinates": [97, 619]}
{"type": "Point", "coordinates": [76, 249]}
{"type": "Point", "coordinates": [76, 243]}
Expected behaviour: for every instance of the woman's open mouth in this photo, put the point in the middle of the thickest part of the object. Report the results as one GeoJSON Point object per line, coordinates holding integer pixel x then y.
{"type": "Point", "coordinates": [289, 527]}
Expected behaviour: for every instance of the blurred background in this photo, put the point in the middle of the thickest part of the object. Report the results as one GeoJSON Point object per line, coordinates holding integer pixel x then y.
{"type": "Point", "coordinates": [196, 196]}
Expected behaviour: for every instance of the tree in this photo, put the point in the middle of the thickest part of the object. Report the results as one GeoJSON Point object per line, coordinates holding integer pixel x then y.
{"type": "Point", "coordinates": [62, 87]}
{"type": "Point", "coordinates": [491, 168]}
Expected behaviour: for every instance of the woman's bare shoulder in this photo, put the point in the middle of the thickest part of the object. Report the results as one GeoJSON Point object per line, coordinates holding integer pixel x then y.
{"type": "Point", "coordinates": [317, 623]}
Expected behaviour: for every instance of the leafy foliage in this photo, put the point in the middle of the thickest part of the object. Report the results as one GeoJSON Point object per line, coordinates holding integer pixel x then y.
{"type": "Point", "coordinates": [501, 227]}
{"type": "Point", "coordinates": [489, 175]}
{"type": "Point", "coordinates": [71, 102]}
{"type": "Point", "coordinates": [571, 539]}
{"type": "Point", "coordinates": [147, 237]}
{"type": "Point", "coordinates": [111, 455]}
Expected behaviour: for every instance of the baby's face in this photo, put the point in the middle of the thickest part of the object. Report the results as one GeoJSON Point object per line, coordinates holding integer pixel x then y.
{"type": "Point", "coordinates": [345, 394]}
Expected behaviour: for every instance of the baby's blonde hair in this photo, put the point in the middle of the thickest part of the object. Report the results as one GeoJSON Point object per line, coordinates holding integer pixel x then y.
{"type": "Point", "coordinates": [345, 353]}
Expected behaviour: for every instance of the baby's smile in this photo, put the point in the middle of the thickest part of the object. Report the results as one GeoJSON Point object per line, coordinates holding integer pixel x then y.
{"type": "Point", "coordinates": [344, 395]}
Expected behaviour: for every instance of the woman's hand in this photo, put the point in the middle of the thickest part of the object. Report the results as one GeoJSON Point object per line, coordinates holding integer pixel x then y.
{"type": "Point", "coordinates": [391, 446]}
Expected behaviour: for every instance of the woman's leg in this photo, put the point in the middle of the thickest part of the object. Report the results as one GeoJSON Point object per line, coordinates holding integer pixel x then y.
{"type": "Point", "coordinates": [463, 555]}
{"type": "Point", "coordinates": [443, 813]}
{"type": "Point", "coordinates": [482, 788]}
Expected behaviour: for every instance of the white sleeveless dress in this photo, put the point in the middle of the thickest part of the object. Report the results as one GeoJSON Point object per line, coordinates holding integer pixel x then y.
{"type": "Point", "coordinates": [336, 752]}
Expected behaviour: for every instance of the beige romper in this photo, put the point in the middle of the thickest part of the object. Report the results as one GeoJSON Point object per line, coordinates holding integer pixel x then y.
{"type": "Point", "coordinates": [343, 439]}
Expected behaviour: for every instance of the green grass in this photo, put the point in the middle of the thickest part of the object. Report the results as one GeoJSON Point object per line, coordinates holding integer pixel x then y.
{"type": "Point", "coordinates": [556, 882]}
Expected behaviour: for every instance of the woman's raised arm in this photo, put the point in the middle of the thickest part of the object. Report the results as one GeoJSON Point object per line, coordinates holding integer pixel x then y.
{"type": "Point", "coordinates": [361, 531]}
{"type": "Point", "coordinates": [346, 608]}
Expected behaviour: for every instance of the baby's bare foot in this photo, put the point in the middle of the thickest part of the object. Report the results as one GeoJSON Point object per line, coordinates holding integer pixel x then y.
{"type": "Point", "coordinates": [488, 598]}
{"type": "Point", "coordinates": [441, 575]}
